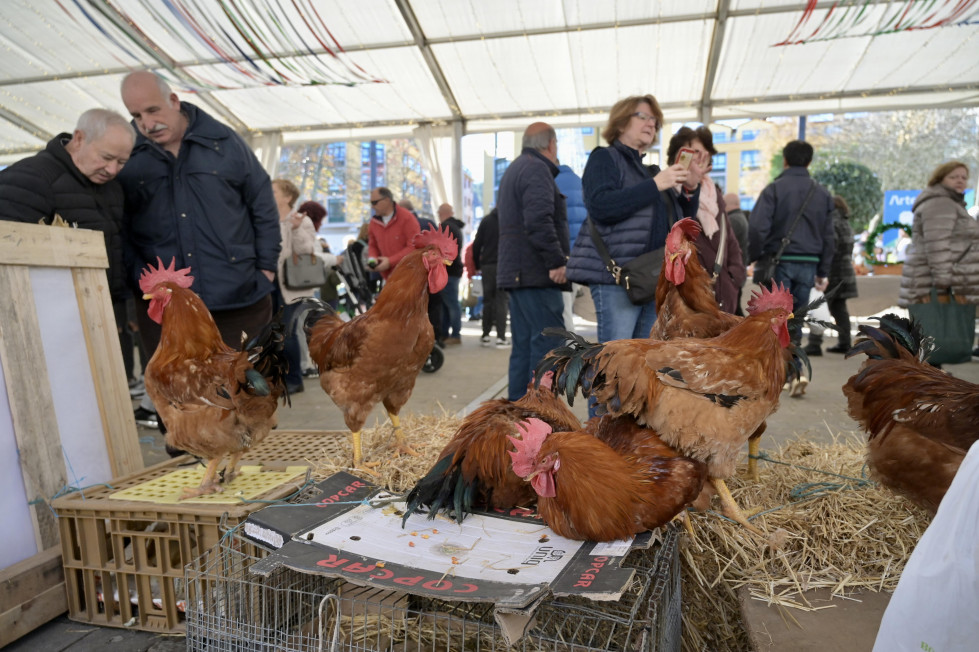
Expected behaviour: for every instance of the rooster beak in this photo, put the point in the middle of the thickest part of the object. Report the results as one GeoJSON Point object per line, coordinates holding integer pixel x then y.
{"type": "Point", "coordinates": [147, 297]}
{"type": "Point", "coordinates": [447, 262]}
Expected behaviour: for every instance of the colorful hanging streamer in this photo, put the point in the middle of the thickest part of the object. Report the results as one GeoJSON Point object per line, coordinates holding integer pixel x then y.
{"type": "Point", "coordinates": [848, 20]}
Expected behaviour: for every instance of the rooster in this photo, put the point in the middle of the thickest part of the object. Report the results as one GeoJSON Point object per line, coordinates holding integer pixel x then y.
{"type": "Point", "coordinates": [473, 468]}
{"type": "Point", "coordinates": [589, 491]}
{"type": "Point", "coordinates": [919, 420]}
{"type": "Point", "coordinates": [214, 400]}
{"type": "Point", "coordinates": [377, 355]}
{"type": "Point", "coordinates": [704, 397]}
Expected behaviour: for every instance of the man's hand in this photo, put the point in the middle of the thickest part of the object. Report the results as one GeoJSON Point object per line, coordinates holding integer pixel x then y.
{"type": "Point", "coordinates": [269, 275]}
{"type": "Point", "coordinates": [821, 283]}
{"type": "Point", "coordinates": [558, 275]}
{"type": "Point", "coordinates": [383, 264]}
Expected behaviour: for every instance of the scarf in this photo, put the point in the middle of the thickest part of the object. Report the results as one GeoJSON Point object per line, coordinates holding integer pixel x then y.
{"type": "Point", "coordinates": [707, 213]}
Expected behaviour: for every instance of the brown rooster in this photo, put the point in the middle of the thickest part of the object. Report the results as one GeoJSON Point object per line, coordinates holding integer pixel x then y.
{"type": "Point", "coordinates": [474, 469]}
{"type": "Point", "coordinates": [704, 397]}
{"type": "Point", "coordinates": [214, 400]}
{"type": "Point", "coordinates": [376, 356]}
{"type": "Point", "coordinates": [919, 420]}
{"type": "Point", "coordinates": [588, 490]}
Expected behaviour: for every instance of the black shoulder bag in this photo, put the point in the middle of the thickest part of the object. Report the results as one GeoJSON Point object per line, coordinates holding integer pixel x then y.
{"type": "Point", "coordinates": [765, 266]}
{"type": "Point", "coordinates": [641, 274]}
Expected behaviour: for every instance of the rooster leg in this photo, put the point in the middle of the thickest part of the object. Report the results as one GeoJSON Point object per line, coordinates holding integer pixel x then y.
{"type": "Point", "coordinates": [399, 439]}
{"type": "Point", "coordinates": [359, 456]}
{"type": "Point", "coordinates": [208, 485]}
{"type": "Point", "coordinates": [229, 471]}
{"type": "Point", "coordinates": [684, 518]}
{"type": "Point", "coordinates": [730, 509]}
{"type": "Point", "coordinates": [754, 445]}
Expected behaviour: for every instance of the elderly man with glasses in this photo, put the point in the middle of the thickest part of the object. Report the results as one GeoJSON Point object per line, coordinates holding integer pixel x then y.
{"type": "Point", "coordinates": [391, 231]}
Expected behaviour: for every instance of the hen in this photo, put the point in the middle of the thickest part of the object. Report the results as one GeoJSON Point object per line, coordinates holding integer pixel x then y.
{"type": "Point", "coordinates": [686, 307]}
{"type": "Point", "coordinates": [704, 397]}
{"type": "Point", "coordinates": [919, 420]}
{"type": "Point", "coordinates": [473, 469]}
{"type": "Point", "coordinates": [588, 490]}
{"type": "Point", "coordinates": [376, 357]}
{"type": "Point", "coordinates": [214, 400]}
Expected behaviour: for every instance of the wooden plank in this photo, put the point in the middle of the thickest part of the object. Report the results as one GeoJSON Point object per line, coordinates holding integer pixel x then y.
{"type": "Point", "coordinates": [33, 613]}
{"type": "Point", "coordinates": [49, 246]}
{"type": "Point", "coordinates": [23, 580]}
{"type": "Point", "coordinates": [108, 371]}
{"type": "Point", "coordinates": [31, 403]}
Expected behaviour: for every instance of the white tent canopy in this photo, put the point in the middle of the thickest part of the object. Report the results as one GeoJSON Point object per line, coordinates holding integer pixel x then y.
{"type": "Point", "coordinates": [342, 69]}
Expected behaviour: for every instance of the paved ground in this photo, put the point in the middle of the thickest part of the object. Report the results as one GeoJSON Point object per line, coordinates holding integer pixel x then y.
{"type": "Point", "coordinates": [472, 374]}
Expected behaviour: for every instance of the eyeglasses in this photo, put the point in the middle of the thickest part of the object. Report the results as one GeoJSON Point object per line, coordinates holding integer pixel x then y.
{"type": "Point", "coordinates": [645, 117]}
{"type": "Point", "coordinates": [375, 202]}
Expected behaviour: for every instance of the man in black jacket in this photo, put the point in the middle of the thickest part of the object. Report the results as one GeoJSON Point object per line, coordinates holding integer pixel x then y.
{"type": "Point", "coordinates": [75, 177]}
{"type": "Point", "coordinates": [485, 248]}
{"type": "Point", "coordinates": [533, 252]}
{"type": "Point", "coordinates": [452, 311]}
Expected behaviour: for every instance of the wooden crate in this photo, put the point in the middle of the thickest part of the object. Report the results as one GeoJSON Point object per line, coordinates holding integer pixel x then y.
{"type": "Point", "coordinates": [66, 416]}
{"type": "Point", "coordinates": [124, 559]}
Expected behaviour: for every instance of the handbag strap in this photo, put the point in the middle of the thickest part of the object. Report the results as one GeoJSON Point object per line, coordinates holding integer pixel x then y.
{"type": "Point", "coordinates": [610, 264]}
{"type": "Point", "coordinates": [721, 246]}
{"type": "Point", "coordinates": [787, 238]}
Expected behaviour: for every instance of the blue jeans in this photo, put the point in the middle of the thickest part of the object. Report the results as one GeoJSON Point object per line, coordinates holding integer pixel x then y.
{"type": "Point", "coordinates": [531, 311]}
{"type": "Point", "coordinates": [618, 318]}
{"type": "Point", "coordinates": [798, 279]}
{"type": "Point", "coordinates": [294, 377]}
{"type": "Point", "coordinates": [452, 313]}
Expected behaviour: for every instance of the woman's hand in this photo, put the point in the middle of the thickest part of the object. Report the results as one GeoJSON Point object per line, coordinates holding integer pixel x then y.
{"type": "Point", "coordinates": [694, 176]}
{"type": "Point", "coordinates": [296, 219]}
{"type": "Point", "coordinates": [671, 176]}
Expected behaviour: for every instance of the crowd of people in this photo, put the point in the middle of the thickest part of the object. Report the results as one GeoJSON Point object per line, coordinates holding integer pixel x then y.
{"type": "Point", "coordinates": [174, 183]}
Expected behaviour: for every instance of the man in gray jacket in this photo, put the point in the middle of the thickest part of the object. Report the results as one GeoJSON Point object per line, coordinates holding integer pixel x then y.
{"type": "Point", "coordinates": [807, 258]}
{"type": "Point", "coordinates": [533, 252]}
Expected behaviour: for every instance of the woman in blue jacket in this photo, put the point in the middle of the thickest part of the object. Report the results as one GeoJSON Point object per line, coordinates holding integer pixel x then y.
{"type": "Point", "coordinates": [632, 207]}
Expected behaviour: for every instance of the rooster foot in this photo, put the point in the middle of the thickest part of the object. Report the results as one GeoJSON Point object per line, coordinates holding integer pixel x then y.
{"type": "Point", "coordinates": [730, 509]}
{"type": "Point", "coordinates": [365, 467]}
{"type": "Point", "coordinates": [203, 490]}
{"type": "Point", "coordinates": [684, 518]}
{"type": "Point", "coordinates": [405, 449]}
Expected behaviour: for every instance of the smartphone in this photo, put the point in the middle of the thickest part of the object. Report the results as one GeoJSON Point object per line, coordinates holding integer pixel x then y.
{"type": "Point", "coordinates": [685, 156]}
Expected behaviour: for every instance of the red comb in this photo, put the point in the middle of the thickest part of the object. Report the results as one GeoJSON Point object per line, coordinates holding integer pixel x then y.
{"type": "Point", "coordinates": [686, 227]}
{"type": "Point", "coordinates": [533, 432]}
{"type": "Point", "coordinates": [153, 276]}
{"type": "Point", "coordinates": [441, 238]}
{"type": "Point", "coordinates": [765, 299]}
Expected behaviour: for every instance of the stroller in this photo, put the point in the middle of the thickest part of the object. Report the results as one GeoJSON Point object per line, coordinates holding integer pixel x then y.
{"type": "Point", "coordinates": [357, 295]}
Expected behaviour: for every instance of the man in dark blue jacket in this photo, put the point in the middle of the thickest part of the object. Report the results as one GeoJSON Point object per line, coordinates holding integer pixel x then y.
{"type": "Point", "coordinates": [196, 192]}
{"type": "Point", "coordinates": [533, 252]}
{"type": "Point", "coordinates": [806, 259]}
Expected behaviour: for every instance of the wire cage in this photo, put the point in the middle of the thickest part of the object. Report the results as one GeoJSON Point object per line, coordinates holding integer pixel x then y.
{"type": "Point", "coordinates": [231, 608]}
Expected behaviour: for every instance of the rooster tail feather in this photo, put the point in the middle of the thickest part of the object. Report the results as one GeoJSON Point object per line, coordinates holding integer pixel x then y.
{"type": "Point", "coordinates": [266, 353]}
{"type": "Point", "coordinates": [316, 310]}
{"type": "Point", "coordinates": [441, 489]}
{"type": "Point", "coordinates": [799, 362]}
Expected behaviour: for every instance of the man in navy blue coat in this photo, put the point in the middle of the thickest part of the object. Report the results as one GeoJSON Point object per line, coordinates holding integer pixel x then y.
{"type": "Point", "coordinates": [533, 252]}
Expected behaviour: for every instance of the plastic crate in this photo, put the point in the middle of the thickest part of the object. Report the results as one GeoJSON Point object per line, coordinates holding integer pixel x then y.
{"type": "Point", "coordinates": [124, 559]}
{"type": "Point", "coordinates": [231, 608]}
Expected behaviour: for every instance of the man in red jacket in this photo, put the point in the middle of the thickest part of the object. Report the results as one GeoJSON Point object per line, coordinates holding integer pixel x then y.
{"type": "Point", "coordinates": [392, 228]}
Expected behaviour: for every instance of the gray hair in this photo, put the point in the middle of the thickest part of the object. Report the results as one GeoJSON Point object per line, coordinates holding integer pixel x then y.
{"type": "Point", "coordinates": [161, 83]}
{"type": "Point", "coordinates": [94, 122]}
{"type": "Point", "coordinates": [385, 193]}
{"type": "Point", "coordinates": [539, 140]}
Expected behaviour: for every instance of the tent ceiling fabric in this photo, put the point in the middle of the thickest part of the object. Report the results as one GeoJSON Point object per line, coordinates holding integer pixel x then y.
{"type": "Point", "coordinates": [335, 68]}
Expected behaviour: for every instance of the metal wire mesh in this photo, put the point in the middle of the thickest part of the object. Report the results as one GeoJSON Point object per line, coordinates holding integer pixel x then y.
{"type": "Point", "coordinates": [230, 608]}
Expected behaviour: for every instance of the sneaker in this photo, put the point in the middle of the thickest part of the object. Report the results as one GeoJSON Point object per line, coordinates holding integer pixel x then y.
{"type": "Point", "coordinates": [453, 341]}
{"type": "Point", "coordinates": [137, 389]}
{"type": "Point", "coordinates": [502, 343]}
{"type": "Point", "coordinates": [798, 387]}
{"type": "Point", "coordinates": [146, 418]}
{"type": "Point", "coordinates": [485, 341]}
